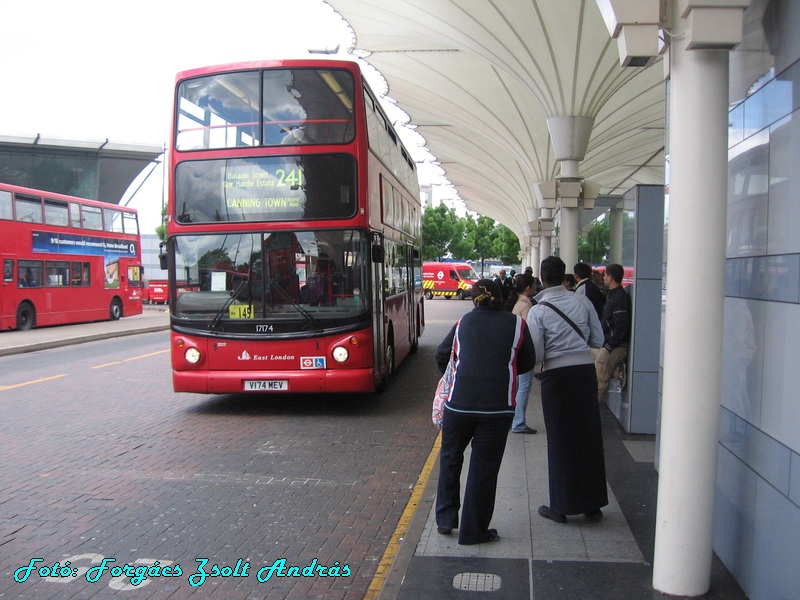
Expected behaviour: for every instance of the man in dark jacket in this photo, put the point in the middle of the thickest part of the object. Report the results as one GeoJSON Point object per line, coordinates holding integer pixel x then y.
{"type": "Point", "coordinates": [585, 286]}
{"type": "Point", "coordinates": [616, 323]}
{"type": "Point", "coordinates": [491, 347]}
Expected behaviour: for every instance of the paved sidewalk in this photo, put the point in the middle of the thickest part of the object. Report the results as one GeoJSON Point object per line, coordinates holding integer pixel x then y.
{"type": "Point", "coordinates": [153, 318]}
{"type": "Point", "coordinates": [536, 558]}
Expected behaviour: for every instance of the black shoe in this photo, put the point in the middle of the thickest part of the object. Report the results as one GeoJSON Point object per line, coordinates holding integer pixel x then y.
{"type": "Point", "coordinates": [491, 537]}
{"type": "Point", "coordinates": [526, 430]}
{"type": "Point", "coordinates": [444, 530]}
{"type": "Point", "coordinates": [594, 515]}
{"type": "Point", "coordinates": [549, 513]}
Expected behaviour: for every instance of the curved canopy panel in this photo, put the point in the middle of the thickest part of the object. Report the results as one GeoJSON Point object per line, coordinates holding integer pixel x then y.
{"type": "Point", "coordinates": [480, 78]}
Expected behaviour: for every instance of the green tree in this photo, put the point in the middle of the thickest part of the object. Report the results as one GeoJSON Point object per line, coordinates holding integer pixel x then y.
{"type": "Point", "coordinates": [593, 249]}
{"type": "Point", "coordinates": [506, 245]}
{"type": "Point", "coordinates": [485, 236]}
{"type": "Point", "coordinates": [463, 243]}
{"type": "Point", "coordinates": [438, 229]}
{"type": "Point", "coordinates": [161, 230]}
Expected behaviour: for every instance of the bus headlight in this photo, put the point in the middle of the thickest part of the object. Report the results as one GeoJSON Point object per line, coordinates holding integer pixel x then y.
{"type": "Point", "coordinates": [192, 356]}
{"type": "Point", "coordinates": [340, 354]}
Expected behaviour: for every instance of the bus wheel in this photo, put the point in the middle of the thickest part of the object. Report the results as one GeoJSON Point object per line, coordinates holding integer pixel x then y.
{"type": "Point", "coordinates": [428, 295]}
{"type": "Point", "coordinates": [389, 365]}
{"type": "Point", "coordinates": [390, 357]}
{"type": "Point", "coordinates": [26, 316]}
{"type": "Point", "coordinates": [116, 309]}
{"type": "Point", "coordinates": [415, 343]}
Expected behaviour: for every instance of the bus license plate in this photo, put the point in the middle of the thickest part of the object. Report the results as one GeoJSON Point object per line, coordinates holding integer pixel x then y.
{"type": "Point", "coordinates": [270, 385]}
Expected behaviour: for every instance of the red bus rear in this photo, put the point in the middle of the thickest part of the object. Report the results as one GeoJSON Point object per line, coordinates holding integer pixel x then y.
{"type": "Point", "coordinates": [66, 259]}
{"type": "Point", "coordinates": [293, 229]}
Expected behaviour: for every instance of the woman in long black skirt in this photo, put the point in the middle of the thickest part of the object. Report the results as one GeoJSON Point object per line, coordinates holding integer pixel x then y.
{"type": "Point", "coordinates": [564, 327]}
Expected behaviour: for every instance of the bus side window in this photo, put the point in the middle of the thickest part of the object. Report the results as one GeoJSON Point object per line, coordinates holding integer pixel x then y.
{"type": "Point", "coordinates": [8, 269]}
{"type": "Point", "coordinates": [6, 212]}
{"type": "Point", "coordinates": [76, 274]}
{"type": "Point", "coordinates": [29, 275]}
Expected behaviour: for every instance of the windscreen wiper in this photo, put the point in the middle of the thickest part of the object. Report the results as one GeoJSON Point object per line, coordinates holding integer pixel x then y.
{"type": "Point", "coordinates": [307, 315]}
{"type": "Point", "coordinates": [237, 291]}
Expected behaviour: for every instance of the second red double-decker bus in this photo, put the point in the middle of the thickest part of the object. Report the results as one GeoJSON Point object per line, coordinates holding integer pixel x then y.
{"type": "Point", "coordinates": [66, 259]}
{"type": "Point", "coordinates": [293, 228]}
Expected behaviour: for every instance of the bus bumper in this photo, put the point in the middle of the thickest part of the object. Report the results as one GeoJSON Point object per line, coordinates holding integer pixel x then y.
{"type": "Point", "coordinates": [233, 382]}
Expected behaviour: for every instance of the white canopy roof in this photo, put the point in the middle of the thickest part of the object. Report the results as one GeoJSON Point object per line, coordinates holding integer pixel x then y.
{"type": "Point", "coordinates": [480, 78]}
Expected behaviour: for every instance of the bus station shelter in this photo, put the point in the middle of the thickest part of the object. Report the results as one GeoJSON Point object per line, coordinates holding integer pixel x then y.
{"type": "Point", "coordinates": [538, 111]}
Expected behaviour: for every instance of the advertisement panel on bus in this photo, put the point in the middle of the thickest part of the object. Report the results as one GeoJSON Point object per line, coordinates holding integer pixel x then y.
{"type": "Point", "coordinates": [448, 279]}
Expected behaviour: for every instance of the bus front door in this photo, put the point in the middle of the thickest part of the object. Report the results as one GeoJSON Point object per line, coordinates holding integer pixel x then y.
{"type": "Point", "coordinates": [379, 349]}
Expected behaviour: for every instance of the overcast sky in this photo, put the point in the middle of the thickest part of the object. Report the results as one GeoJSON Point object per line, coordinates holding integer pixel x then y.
{"type": "Point", "coordinates": [97, 69]}
{"type": "Point", "coordinates": [100, 69]}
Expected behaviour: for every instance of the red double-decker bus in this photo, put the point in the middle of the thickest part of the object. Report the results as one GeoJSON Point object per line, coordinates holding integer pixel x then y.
{"type": "Point", "coordinates": [66, 259]}
{"type": "Point", "coordinates": [293, 245]}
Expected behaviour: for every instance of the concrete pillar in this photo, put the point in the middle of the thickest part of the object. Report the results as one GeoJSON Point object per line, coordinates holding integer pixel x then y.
{"type": "Point", "coordinates": [533, 259]}
{"type": "Point", "coordinates": [694, 321]}
{"type": "Point", "coordinates": [568, 236]}
{"type": "Point", "coordinates": [570, 138]}
{"type": "Point", "coordinates": [615, 250]}
{"type": "Point", "coordinates": [545, 249]}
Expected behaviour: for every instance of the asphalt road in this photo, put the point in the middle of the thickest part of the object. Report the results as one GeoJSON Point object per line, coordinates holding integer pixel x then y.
{"type": "Point", "coordinates": [102, 460]}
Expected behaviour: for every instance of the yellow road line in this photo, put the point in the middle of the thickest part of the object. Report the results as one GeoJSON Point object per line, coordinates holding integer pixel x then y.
{"type": "Point", "coordinates": [119, 362]}
{"type": "Point", "coordinates": [11, 387]}
{"type": "Point", "coordinates": [392, 548]}
{"type": "Point", "coordinates": [146, 355]}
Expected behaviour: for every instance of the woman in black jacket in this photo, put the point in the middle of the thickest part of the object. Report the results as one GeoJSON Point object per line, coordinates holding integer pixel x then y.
{"type": "Point", "coordinates": [491, 347]}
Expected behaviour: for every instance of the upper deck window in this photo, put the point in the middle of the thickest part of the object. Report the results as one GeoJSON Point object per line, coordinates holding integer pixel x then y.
{"type": "Point", "coordinates": [130, 223]}
{"type": "Point", "coordinates": [273, 107]}
{"type": "Point", "coordinates": [29, 209]}
{"type": "Point", "coordinates": [112, 220]}
{"type": "Point", "coordinates": [92, 218]}
{"type": "Point", "coordinates": [55, 212]}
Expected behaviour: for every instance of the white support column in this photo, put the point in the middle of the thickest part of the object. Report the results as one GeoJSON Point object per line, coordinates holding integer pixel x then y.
{"type": "Point", "coordinates": [533, 259]}
{"type": "Point", "coordinates": [693, 338]}
{"type": "Point", "coordinates": [615, 251]}
{"type": "Point", "coordinates": [568, 234]}
{"type": "Point", "coordinates": [545, 249]}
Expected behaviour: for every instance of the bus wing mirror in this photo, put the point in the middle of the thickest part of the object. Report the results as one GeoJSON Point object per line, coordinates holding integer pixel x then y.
{"type": "Point", "coordinates": [162, 257]}
{"type": "Point", "coordinates": [378, 252]}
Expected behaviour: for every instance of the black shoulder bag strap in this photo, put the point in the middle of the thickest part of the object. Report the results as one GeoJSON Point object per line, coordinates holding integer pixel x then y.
{"type": "Point", "coordinates": [566, 318]}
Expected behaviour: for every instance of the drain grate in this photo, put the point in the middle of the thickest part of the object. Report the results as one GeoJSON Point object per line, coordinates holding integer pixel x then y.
{"type": "Point", "coordinates": [477, 582]}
